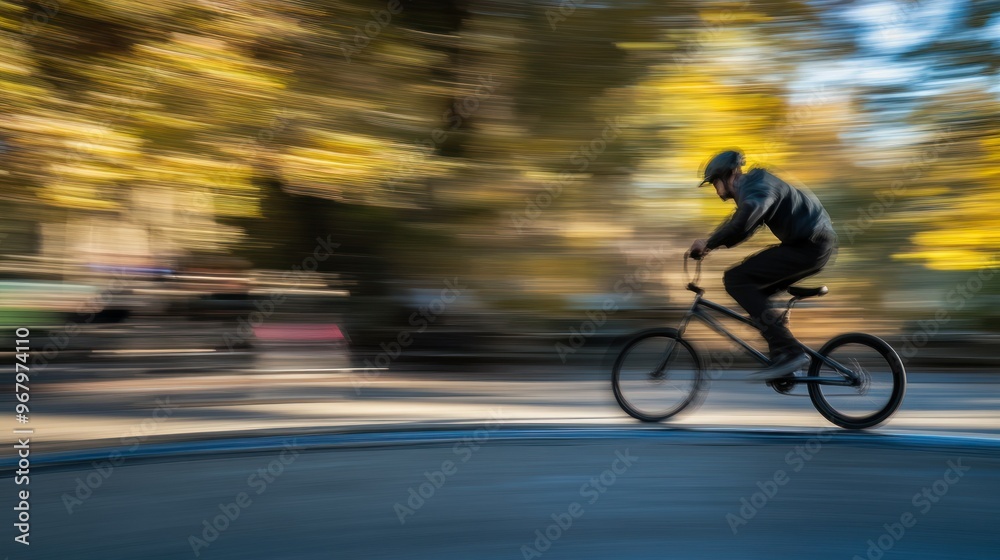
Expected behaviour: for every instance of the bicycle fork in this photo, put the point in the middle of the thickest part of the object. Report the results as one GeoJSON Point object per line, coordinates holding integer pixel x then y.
{"type": "Point", "coordinates": [672, 345]}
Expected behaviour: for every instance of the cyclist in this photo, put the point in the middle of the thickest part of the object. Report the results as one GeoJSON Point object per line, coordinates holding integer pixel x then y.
{"type": "Point", "coordinates": [807, 238]}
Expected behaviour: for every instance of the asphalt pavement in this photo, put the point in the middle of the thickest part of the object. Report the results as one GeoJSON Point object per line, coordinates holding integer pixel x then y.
{"type": "Point", "coordinates": [495, 493]}
{"type": "Point", "coordinates": [299, 459]}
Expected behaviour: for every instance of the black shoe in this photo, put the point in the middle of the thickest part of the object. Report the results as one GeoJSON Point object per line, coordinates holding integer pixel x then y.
{"type": "Point", "coordinates": [786, 363]}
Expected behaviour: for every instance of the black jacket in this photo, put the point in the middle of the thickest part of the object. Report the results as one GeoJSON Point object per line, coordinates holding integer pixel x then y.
{"type": "Point", "coordinates": [793, 216]}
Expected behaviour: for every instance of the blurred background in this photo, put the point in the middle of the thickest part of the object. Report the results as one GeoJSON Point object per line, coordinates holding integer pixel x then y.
{"type": "Point", "coordinates": [290, 217]}
{"type": "Point", "coordinates": [382, 185]}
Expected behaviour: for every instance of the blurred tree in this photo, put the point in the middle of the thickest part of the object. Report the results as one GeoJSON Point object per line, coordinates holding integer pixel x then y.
{"type": "Point", "coordinates": [533, 144]}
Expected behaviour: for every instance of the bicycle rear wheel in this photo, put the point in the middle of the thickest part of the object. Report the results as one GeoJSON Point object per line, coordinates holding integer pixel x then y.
{"type": "Point", "coordinates": [880, 387]}
{"type": "Point", "coordinates": [647, 390]}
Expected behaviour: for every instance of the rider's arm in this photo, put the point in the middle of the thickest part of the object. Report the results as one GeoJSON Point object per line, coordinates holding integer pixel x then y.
{"type": "Point", "coordinates": [748, 217]}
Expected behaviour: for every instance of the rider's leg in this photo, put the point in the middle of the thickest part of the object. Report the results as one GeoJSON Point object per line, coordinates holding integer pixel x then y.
{"type": "Point", "coordinates": [756, 301]}
{"type": "Point", "coordinates": [760, 276]}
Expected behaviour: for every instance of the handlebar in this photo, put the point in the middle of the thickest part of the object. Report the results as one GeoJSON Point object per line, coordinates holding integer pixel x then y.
{"type": "Point", "coordinates": [693, 282]}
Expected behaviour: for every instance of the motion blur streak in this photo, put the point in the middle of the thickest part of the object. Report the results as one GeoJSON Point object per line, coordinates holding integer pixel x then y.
{"type": "Point", "coordinates": [298, 216]}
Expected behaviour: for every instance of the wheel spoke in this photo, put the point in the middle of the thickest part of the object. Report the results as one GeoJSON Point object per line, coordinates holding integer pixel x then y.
{"type": "Point", "coordinates": [879, 388]}
{"type": "Point", "coordinates": [656, 376]}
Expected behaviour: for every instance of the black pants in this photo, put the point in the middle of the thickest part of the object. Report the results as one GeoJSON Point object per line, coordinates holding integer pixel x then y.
{"type": "Point", "coordinates": [761, 275]}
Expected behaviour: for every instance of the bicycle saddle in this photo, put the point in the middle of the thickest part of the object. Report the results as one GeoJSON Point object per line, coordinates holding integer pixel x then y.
{"type": "Point", "coordinates": [800, 292]}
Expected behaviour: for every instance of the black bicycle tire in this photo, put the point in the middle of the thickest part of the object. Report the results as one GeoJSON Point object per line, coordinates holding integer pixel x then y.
{"type": "Point", "coordinates": [898, 387]}
{"type": "Point", "coordinates": [616, 371]}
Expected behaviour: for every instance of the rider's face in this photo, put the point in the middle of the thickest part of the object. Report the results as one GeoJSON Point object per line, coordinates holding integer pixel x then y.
{"type": "Point", "coordinates": [722, 189]}
{"type": "Point", "coordinates": [726, 188]}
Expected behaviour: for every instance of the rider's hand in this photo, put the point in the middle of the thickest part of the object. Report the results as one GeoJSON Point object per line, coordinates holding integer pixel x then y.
{"type": "Point", "coordinates": [699, 249]}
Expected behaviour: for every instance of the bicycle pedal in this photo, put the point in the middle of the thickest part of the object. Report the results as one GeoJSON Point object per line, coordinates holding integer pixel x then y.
{"type": "Point", "coordinates": [783, 385]}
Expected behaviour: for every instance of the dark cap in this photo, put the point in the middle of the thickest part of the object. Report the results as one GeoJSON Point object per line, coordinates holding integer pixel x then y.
{"type": "Point", "coordinates": [722, 164]}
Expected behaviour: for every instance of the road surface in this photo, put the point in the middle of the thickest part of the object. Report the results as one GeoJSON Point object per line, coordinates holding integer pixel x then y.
{"type": "Point", "coordinates": [502, 464]}
{"type": "Point", "coordinates": [510, 493]}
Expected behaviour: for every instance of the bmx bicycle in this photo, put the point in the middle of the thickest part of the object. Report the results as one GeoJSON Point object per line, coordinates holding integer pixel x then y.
{"type": "Point", "coordinates": [855, 380]}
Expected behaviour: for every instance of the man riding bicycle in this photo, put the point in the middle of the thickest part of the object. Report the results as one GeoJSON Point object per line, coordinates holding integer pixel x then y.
{"type": "Point", "coordinates": [807, 238]}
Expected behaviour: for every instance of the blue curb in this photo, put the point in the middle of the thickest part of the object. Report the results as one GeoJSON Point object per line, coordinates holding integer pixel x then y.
{"type": "Point", "coordinates": [429, 436]}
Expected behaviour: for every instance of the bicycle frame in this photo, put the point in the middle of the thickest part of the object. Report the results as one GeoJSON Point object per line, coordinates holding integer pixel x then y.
{"type": "Point", "coordinates": [699, 310]}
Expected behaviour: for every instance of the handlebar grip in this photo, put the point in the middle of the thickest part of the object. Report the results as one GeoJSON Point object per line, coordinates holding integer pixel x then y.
{"type": "Point", "coordinates": [697, 273]}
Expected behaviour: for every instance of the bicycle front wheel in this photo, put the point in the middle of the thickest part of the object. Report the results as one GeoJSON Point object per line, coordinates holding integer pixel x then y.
{"type": "Point", "coordinates": [881, 381]}
{"type": "Point", "coordinates": [657, 375]}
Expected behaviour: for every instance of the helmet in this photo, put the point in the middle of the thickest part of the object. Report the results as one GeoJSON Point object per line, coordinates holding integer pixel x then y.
{"type": "Point", "coordinates": [722, 164]}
